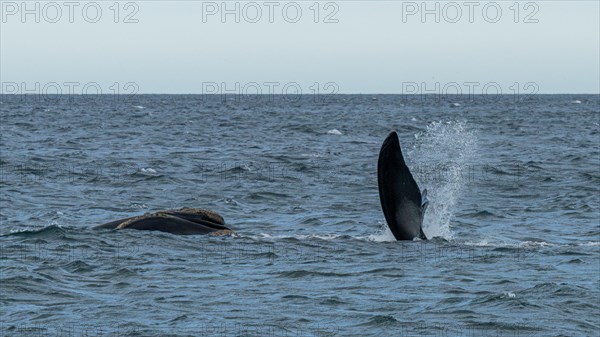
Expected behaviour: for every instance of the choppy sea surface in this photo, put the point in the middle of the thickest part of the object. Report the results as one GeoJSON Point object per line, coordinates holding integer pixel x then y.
{"type": "Point", "coordinates": [513, 220]}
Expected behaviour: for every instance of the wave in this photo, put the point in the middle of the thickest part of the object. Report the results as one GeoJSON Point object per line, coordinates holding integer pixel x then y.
{"type": "Point", "coordinates": [48, 231]}
{"type": "Point", "coordinates": [300, 237]}
{"type": "Point", "coordinates": [384, 234]}
{"type": "Point", "coordinates": [485, 243]}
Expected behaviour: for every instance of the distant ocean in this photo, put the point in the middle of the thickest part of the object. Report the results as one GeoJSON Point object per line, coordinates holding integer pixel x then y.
{"type": "Point", "coordinates": [514, 216]}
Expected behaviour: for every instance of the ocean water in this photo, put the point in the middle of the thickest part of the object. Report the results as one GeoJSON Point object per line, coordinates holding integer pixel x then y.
{"type": "Point", "coordinates": [513, 220]}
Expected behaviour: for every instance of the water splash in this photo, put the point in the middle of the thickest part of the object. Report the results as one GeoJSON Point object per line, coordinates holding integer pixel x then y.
{"type": "Point", "coordinates": [384, 234]}
{"type": "Point", "coordinates": [440, 164]}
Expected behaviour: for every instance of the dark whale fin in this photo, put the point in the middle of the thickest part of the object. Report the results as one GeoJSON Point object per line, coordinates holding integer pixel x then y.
{"type": "Point", "coordinates": [401, 200]}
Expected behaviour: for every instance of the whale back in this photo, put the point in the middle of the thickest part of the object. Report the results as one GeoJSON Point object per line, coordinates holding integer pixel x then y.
{"type": "Point", "coordinates": [180, 221]}
{"type": "Point", "coordinates": [197, 214]}
{"type": "Point", "coordinates": [401, 200]}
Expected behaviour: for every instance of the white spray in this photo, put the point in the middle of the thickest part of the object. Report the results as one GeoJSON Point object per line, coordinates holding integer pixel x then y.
{"type": "Point", "coordinates": [440, 162]}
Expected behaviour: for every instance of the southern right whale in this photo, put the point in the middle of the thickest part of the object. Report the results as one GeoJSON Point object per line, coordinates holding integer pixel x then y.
{"type": "Point", "coordinates": [402, 202]}
{"type": "Point", "coordinates": [184, 221]}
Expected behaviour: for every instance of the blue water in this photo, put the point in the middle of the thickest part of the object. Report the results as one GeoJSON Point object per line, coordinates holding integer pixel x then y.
{"type": "Point", "coordinates": [513, 218]}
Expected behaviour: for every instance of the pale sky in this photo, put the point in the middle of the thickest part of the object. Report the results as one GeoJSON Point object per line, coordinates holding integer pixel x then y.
{"type": "Point", "coordinates": [354, 47]}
